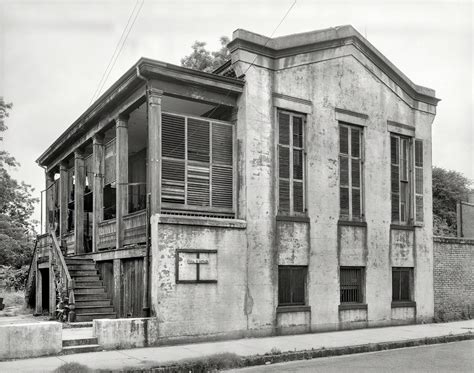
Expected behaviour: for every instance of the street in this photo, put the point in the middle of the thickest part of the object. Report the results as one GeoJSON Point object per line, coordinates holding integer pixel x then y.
{"type": "Point", "coordinates": [449, 357]}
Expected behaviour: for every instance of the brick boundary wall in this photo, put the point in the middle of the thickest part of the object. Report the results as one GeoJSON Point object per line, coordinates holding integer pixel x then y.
{"type": "Point", "coordinates": [453, 271]}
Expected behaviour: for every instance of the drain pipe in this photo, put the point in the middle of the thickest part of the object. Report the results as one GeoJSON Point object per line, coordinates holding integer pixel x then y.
{"type": "Point", "coordinates": [146, 264]}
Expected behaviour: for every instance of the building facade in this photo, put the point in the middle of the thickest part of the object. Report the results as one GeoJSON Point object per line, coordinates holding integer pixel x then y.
{"type": "Point", "coordinates": [289, 191]}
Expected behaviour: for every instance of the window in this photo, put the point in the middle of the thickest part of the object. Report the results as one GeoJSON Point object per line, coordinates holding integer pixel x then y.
{"type": "Point", "coordinates": [197, 164]}
{"type": "Point", "coordinates": [402, 167]}
{"type": "Point", "coordinates": [350, 172]}
{"type": "Point", "coordinates": [401, 284]}
{"type": "Point", "coordinates": [291, 285]}
{"type": "Point", "coordinates": [291, 163]}
{"type": "Point", "coordinates": [351, 282]}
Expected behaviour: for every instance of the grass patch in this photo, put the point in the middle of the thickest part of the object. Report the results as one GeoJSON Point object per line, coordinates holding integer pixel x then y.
{"type": "Point", "coordinates": [73, 368]}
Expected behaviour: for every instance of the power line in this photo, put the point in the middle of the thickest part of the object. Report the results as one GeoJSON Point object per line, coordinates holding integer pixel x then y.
{"type": "Point", "coordinates": [118, 49]}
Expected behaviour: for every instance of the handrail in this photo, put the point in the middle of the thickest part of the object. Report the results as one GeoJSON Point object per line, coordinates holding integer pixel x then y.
{"type": "Point", "coordinates": [34, 260]}
{"type": "Point", "coordinates": [69, 281]}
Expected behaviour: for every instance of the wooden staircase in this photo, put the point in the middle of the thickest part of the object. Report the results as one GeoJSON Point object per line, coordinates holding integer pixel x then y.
{"type": "Point", "coordinates": [91, 298]}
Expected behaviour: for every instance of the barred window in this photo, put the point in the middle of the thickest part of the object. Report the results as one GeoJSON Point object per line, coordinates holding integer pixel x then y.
{"type": "Point", "coordinates": [351, 284]}
{"type": "Point", "coordinates": [291, 285]}
{"type": "Point", "coordinates": [350, 172]}
{"type": "Point", "coordinates": [197, 164]}
{"type": "Point", "coordinates": [291, 170]}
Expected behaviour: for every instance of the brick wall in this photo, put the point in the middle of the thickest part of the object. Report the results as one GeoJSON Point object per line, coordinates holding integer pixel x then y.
{"type": "Point", "coordinates": [453, 278]}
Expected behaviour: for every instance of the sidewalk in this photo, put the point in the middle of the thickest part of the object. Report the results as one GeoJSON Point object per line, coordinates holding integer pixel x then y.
{"type": "Point", "coordinates": [155, 356]}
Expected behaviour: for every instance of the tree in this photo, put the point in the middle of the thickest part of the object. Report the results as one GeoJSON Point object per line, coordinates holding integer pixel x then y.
{"type": "Point", "coordinates": [202, 59]}
{"type": "Point", "coordinates": [449, 187]}
{"type": "Point", "coordinates": [16, 207]}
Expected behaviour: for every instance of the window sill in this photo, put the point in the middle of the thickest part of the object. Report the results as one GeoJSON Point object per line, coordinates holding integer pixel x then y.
{"type": "Point", "coordinates": [402, 227]}
{"type": "Point", "coordinates": [352, 306]}
{"type": "Point", "coordinates": [301, 219]}
{"type": "Point", "coordinates": [401, 304]}
{"type": "Point", "coordinates": [202, 221]}
{"type": "Point", "coordinates": [286, 309]}
{"type": "Point", "coordinates": [351, 223]}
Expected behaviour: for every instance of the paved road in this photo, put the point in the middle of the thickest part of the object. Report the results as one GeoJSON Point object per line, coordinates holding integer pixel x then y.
{"type": "Point", "coordinates": [449, 357]}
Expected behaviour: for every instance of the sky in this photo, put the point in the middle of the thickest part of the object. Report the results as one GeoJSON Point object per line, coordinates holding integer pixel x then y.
{"type": "Point", "coordinates": [54, 53]}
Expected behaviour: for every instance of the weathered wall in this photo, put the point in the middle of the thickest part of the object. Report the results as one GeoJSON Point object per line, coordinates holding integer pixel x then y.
{"type": "Point", "coordinates": [453, 278]}
{"type": "Point", "coordinates": [126, 333]}
{"type": "Point", "coordinates": [30, 340]}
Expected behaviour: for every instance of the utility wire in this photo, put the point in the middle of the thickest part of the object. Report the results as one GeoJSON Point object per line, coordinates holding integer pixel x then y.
{"type": "Point", "coordinates": [118, 49]}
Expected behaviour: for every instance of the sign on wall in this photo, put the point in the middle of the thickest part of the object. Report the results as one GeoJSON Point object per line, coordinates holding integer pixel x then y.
{"type": "Point", "coordinates": [196, 266]}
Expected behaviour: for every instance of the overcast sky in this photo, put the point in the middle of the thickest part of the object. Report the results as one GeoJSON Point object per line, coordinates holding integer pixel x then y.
{"type": "Point", "coordinates": [53, 54]}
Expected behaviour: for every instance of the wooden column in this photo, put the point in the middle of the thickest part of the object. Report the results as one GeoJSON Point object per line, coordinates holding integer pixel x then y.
{"type": "Point", "coordinates": [39, 292]}
{"type": "Point", "coordinates": [121, 174]}
{"type": "Point", "coordinates": [98, 187]}
{"type": "Point", "coordinates": [49, 202]}
{"type": "Point", "coordinates": [154, 149]}
{"type": "Point", "coordinates": [63, 199]}
{"type": "Point", "coordinates": [117, 286]}
{"type": "Point", "coordinates": [79, 185]}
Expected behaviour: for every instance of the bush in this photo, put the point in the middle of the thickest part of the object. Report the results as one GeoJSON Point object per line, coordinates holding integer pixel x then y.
{"type": "Point", "coordinates": [73, 368]}
{"type": "Point", "coordinates": [16, 278]}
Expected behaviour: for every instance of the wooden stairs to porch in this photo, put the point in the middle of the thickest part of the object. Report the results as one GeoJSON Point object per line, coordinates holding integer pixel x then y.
{"type": "Point", "coordinates": [91, 298]}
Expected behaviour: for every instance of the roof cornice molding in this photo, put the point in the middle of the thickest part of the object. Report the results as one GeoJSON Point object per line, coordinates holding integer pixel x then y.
{"type": "Point", "coordinates": [292, 45]}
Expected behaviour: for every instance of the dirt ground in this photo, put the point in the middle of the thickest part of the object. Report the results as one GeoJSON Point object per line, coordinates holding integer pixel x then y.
{"type": "Point", "coordinates": [15, 311]}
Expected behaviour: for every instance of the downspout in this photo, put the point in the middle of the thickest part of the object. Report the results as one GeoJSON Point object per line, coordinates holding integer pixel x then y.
{"type": "Point", "coordinates": [146, 264]}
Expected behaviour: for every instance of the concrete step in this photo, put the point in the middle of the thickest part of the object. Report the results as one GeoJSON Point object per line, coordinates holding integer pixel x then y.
{"type": "Point", "coordinates": [100, 290]}
{"type": "Point", "coordinates": [86, 278]}
{"type": "Point", "coordinates": [92, 272]}
{"type": "Point", "coordinates": [94, 309]}
{"type": "Point", "coordinates": [79, 342]}
{"type": "Point", "coordinates": [87, 296]}
{"type": "Point", "coordinates": [93, 316]}
{"type": "Point", "coordinates": [80, 349]}
{"type": "Point", "coordinates": [93, 302]}
{"type": "Point", "coordinates": [88, 285]}
{"type": "Point", "coordinates": [75, 325]}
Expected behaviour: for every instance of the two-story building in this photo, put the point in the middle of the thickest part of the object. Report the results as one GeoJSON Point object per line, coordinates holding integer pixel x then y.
{"type": "Point", "coordinates": [288, 191]}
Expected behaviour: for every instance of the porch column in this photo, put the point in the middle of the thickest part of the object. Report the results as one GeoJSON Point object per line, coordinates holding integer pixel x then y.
{"type": "Point", "coordinates": [63, 200]}
{"type": "Point", "coordinates": [154, 149]}
{"type": "Point", "coordinates": [98, 187]}
{"type": "Point", "coordinates": [121, 176]}
{"type": "Point", "coordinates": [49, 202]}
{"type": "Point", "coordinates": [79, 185]}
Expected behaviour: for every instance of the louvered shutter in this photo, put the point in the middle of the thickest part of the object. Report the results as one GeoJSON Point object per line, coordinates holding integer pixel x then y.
{"type": "Point", "coordinates": [109, 162]}
{"type": "Point", "coordinates": [284, 128]}
{"type": "Point", "coordinates": [343, 140]}
{"type": "Point", "coordinates": [222, 160]}
{"type": "Point", "coordinates": [173, 159]}
{"type": "Point", "coordinates": [395, 178]}
{"type": "Point", "coordinates": [198, 177]}
{"type": "Point", "coordinates": [355, 142]}
{"type": "Point", "coordinates": [344, 186]}
{"type": "Point", "coordinates": [419, 181]}
{"type": "Point", "coordinates": [284, 175]}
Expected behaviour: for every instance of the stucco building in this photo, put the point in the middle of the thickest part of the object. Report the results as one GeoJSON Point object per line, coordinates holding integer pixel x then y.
{"type": "Point", "coordinates": [288, 191]}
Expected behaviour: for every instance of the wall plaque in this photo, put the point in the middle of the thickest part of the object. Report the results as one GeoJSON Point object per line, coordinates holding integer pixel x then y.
{"type": "Point", "coordinates": [196, 266]}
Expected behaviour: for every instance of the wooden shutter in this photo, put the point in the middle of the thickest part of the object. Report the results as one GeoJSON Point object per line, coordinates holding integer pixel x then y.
{"type": "Point", "coordinates": [343, 140]}
{"type": "Point", "coordinates": [395, 178]}
{"type": "Point", "coordinates": [344, 185]}
{"type": "Point", "coordinates": [419, 181]}
{"type": "Point", "coordinates": [173, 159]}
{"type": "Point", "coordinates": [284, 175]}
{"type": "Point", "coordinates": [198, 140]}
{"type": "Point", "coordinates": [109, 162]}
{"type": "Point", "coordinates": [222, 160]}
{"type": "Point", "coordinates": [283, 128]}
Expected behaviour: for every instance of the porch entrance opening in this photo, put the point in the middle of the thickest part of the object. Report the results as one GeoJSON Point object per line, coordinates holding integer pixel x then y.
{"type": "Point", "coordinates": [44, 272]}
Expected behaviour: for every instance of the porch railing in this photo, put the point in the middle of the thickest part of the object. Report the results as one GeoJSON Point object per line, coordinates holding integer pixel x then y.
{"type": "Point", "coordinates": [64, 282]}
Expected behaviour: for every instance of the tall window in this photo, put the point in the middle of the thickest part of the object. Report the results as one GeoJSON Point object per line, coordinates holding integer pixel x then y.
{"type": "Point", "coordinates": [401, 284]}
{"type": "Point", "coordinates": [352, 283]}
{"type": "Point", "coordinates": [291, 285]}
{"type": "Point", "coordinates": [403, 171]}
{"type": "Point", "coordinates": [350, 172]}
{"type": "Point", "coordinates": [197, 164]}
{"type": "Point", "coordinates": [290, 163]}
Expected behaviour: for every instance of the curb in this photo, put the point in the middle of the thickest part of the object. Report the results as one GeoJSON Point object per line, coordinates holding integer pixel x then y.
{"type": "Point", "coordinates": [267, 359]}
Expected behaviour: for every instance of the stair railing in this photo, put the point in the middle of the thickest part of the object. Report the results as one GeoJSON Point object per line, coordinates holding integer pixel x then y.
{"type": "Point", "coordinates": [66, 282]}
{"type": "Point", "coordinates": [30, 286]}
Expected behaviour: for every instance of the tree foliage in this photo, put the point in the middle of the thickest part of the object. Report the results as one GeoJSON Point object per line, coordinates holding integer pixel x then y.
{"type": "Point", "coordinates": [449, 187]}
{"type": "Point", "coordinates": [16, 207]}
{"type": "Point", "coordinates": [204, 60]}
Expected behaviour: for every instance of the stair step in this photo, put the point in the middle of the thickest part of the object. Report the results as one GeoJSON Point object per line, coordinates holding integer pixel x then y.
{"type": "Point", "coordinates": [86, 278]}
{"type": "Point", "coordinates": [81, 267]}
{"type": "Point", "coordinates": [93, 302]}
{"type": "Point", "coordinates": [93, 309]}
{"type": "Point", "coordinates": [88, 285]}
{"type": "Point", "coordinates": [80, 349]}
{"type": "Point", "coordinates": [79, 261]}
{"type": "Point", "coordinates": [89, 296]}
{"type": "Point", "coordinates": [79, 342]}
{"type": "Point", "coordinates": [91, 272]}
{"type": "Point", "coordinates": [93, 316]}
{"type": "Point", "coordinates": [81, 291]}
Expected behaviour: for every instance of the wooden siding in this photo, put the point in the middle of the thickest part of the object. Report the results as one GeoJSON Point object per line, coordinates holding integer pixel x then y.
{"type": "Point", "coordinates": [131, 287]}
{"type": "Point", "coordinates": [106, 235]}
{"type": "Point", "coordinates": [135, 228]}
{"type": "Point", "coordinates": [106, 271]}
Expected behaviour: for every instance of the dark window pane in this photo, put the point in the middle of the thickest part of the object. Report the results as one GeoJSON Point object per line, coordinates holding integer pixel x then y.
{"type": "Point", "coordinates": [343, 140]}
{"type": "Point", "coordinates": [284, 162]}
{"type": "Point", "coordinates": [355, 142]}
{"type": "Point", "coordinates": [395, 285]}
{"type": "Point", "coordinates": [344, 200]}
{"type": "Point", "coordinates": [418, 153]}
{"type": "Point", "coordinates": [298, 196]}
{"type": "Point", "coordinates": [284, 286]}
{"type": "Point", "coordinates": [297, 164]}
{"type": "Point", "coordinates": [356, 210]}
{"type": "Point", "coordinates": [344, 171]}
{"type": "Point", "coordinates": [351, 285]}
{"type": "Point", "coordinates": [394, 150]}
{"type": "Point", "coordinates": [355, 172]}
{"type": "Point", "coordinates": [395, 207]}
{"type": "Point", "coordinates": [298, 132]}
{"type": "Point", "coordinates": [298, 285]}
{"type": "Point", "coordinates": [291, 285]}
{"type": "Point", "coordinates": [395, 179]}
{"type": "Point", "coordinates": [405, 285]}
